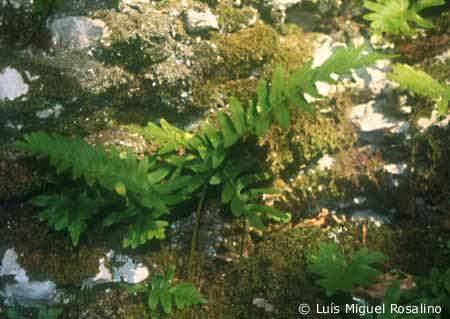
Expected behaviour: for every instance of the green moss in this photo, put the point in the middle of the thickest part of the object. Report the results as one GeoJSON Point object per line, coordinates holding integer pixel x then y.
{"type": "Point", "coordinates": [243, 51]}
{"type": "Point", "coordinates": [439, 71]}
{"type": "Point", "coordinates": [311, 136]}
{"type": "Point", "coordinates": [18, 179]}
{"type": "Point", "coordinates": [276, 270]}
{"type": "Point", "coordinates": [430, 155]}
{"type": "Point", "coordinates": [294, 47]}
{"type": "Point", "coordinates": [232, 19]}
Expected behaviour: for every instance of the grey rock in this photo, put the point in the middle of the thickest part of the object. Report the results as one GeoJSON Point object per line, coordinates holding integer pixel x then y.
{"type": "Point", "coordinates": [200, 21]}
{"type": "Point", "coordinates": [23, 291]}
{"type": "Point", "coordinates": [12, 84]}
{"type": "Point", "coordinates": [76, 33]}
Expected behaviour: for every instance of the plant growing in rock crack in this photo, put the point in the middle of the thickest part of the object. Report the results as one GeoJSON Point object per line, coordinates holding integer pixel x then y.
{"type": "Point", "coordinates": [393, 17]}
{"type": "Point", "coordinates": [165, 294]}
{"type": "Point", "coordinates": [421, 83]}
{"type": "Point", "coordinates": [122, 189]}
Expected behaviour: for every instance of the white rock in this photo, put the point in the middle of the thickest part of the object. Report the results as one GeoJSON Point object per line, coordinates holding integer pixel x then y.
{"type": "Point", "coordinates": [201, 21]}
{"type": "Point", "coordinates": [359, 200]}
{"type": "Point", "coordinates": [76, 32]}
{"type": "Point", "coordinates": [369, 215]}
{"type": "Point", "coordinates": [24, 291]}
{"type": "Point", "coordinates": [262, 303]}
{"type": "Point", "coordinates": [374, 77]}
{"type": "Point", "coordinates": [12, 84]}
{"type": "Point", "coordinates": [424, 122]}
{"type": "Point", "coordinates": [283, 4]}
{"type": "Point", "coordinates": [123, 269]}
{"type": "Point", "coordinates": [129, 272]}
{"type": "Point", "coordinates": [325, 47]}
{"type": "Point", "coordinates": [54, 111]}
{"type": "Point", "coordinates": [326, 162]}
{"type": "Point", "coordinates": [395, 168]}
{"type": "Point", "coordinates": [369, 117]}
{"type": "Point", "coordinates": [325, 89]}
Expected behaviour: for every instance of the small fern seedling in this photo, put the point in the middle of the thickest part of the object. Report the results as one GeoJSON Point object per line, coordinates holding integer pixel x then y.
{"type": "Point", "coordinates": [167, 295]}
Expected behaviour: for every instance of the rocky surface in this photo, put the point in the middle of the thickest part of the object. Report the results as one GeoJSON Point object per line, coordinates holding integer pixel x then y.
{"type": "Point", "coordinates": [371, 153]}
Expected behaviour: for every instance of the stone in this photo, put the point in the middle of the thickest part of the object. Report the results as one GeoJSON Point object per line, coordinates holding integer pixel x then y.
{"type": "Point", "coordinates": [326, 162]}
{"type": "Point", "coordinates": [25, 292]}
{"type": "Point", "coordinates": [76, 33]}
{"type": "Point", "coordinates": [12, 84]}
{"type": "Point", "coordinates": [368, 215]}
{"type": "Point", "coordinates": [200, 21]}
{"type": "Point", "coordinates": [325, 47]}
{"type": "Point", "coordinates": [16, 4]}
{"type": "Point", "coordinates": [395, 168]}
{"type": "Point", "coordinates": [374, 77]}
{"type": "Point", "coordinates": [124, 269]}
{"type": "Point", "coordinates": [370, 117]}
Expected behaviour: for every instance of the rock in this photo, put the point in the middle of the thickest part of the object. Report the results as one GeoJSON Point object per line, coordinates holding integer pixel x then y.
{"type": "Point", "coordinates": [325, 47]}
{"type": "Point", "coordinates": [16, 4]}
{"type": "Point", "coordinates": [123, 269]}
{"type": "Point", "coordinates": [434, 120]}
{"type": "Point", "coordinates": [200, 21]}
{"type": "Point", "coordinates": [395, 168]}
{"type": "Point", "coordinates": [24, 291]}
{"type": "Point", "coordinates": [370, 117]}
{"type": "Point", "coordinates": [76, 33]}
{"type": "Point", "coordinates": [370, 216]}
{"type": "Point", "coordinates": [53, 111]}
{"type": "Point", "coordinates": [326, 162]}
{"type": "Point", "coordinates": [374, 78]}
{"type": "Point", "coordinates": [12, 84]}
{"type": "Point", "coordinates": [283, 3]}
{"type": "Point", "coordinates": [262, 303]}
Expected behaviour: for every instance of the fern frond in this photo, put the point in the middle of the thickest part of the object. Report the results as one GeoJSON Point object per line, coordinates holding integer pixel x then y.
{"type": "Point", "coordinates": [421, 83]}
{"type": "Point", "coordinates": [65, 212]}
{"type": "Point", "coordinates": [394, 16]}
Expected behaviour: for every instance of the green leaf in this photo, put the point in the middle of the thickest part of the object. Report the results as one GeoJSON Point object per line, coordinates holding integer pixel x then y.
{"type": "Point", "coordinates": [394, 16]}
{"type": "Point", "coordinates": [230, 135]}
{"type": "Point", "coordinates": [75, 230]}
{"type": "Point", "coordinates": [153, 299]}
{"type": "Point", "coordinates": [158, 175]}
{"type": "Point", "coordinates": [166, 301]}
{"type": "Point", "coordinates": [278, 98]}
{"type": "Point", "coordinates": [339, 273]}
{"type": "Point", "coordinates": [255, 220]}
{"type": "Point", "coordinates": [120, 189]}
{"type": "Point", "coordinates": [237, 206]}
{"type": "Point", "coordinates": [237, 115]}
{"type": "Point", "coordinates": [228, 193]}
{"type": "Point", "coordinates": [421, 83]}
{"type": "Point", "coordinates": [185, 295]}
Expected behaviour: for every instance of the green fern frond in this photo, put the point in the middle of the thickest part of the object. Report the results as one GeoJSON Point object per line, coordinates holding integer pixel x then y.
{"type": "Point", "coordinates": [64, 212]}
{"type": "Point", "coordinates": [395, 16]}
{"type": "Point", "coordinates": [421, 83]}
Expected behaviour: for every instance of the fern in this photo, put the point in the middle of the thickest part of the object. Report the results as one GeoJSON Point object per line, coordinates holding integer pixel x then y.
{"type": "Point", "coordinates": [421, 83]}
{"type": "Point", "coordinates": [143, 190]}
{"type": "Point", "coordinates": [147, 189]}
{"type": "Point", "coordinates": [340, 273]}
{"type": "Point", "coordinates": [64, 212]}
{"type": "Point", "coordinates": [395, 16]}
{"type": "Point", "coordinates": [165, 294]}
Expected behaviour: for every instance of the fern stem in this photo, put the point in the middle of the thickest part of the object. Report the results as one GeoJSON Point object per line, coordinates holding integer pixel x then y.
{"type": "Point", "coordinates": [243, 235]}
{"type": "Point", "coordinates": [198, 213]}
